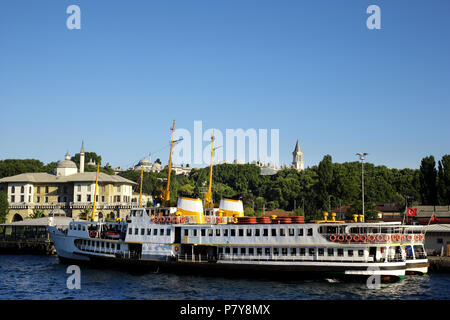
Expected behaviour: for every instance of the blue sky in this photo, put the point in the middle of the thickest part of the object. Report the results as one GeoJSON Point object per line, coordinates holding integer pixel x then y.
{"type": "Point", "coordinates": [311, 69]}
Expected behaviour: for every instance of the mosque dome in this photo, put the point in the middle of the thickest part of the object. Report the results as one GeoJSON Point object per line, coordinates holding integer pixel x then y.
{"type": "Point", "coordinates": [67, 163]}
{"type": "Point", "coordinates": [144, 162]}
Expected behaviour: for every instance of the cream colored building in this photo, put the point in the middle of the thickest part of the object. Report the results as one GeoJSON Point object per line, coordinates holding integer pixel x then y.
{"type": "Point", "coordinates": [68, 189]}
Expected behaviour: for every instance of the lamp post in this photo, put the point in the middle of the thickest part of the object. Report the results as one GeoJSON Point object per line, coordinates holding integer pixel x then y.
{"type": "Point", "coordinates": [362, 157]}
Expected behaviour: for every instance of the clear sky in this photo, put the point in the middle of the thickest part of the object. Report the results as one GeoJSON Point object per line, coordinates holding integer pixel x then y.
{"type": "Point", "coordinates": [311, 69]}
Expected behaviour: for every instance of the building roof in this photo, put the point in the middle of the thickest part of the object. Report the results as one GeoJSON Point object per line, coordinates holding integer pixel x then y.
{"type": "Point", "coordinates": [66, 164]}
{"type": "Point", "coordinates": [58, 221]}
{"type": "Point", "coordinates": [41, 177]}
{"type": "Point", "coordinates": [438, 228]}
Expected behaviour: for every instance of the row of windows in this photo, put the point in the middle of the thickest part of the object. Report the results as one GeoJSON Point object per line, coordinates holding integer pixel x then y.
{"type": "Point", "coordinates": [22, 189]}
{"type": "Point", "coordinates": [250, 232]}
{"type": "Point", "coordinates": [330, 252]}
{"type": "Point", "coordinates": [100, 244]}
{"type": "Point", "coordinates": [149, 232]}
{"type": "Point", "coordinates": [116, 198]}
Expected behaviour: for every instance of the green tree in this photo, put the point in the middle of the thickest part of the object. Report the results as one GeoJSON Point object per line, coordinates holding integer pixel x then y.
{"type": "Point", "coordinates": [4, 206]}
{"type": "Point", "coordinates": [37, 213]}
{"type": "Point", "coordinates": [325, 175]}
{"type": "Point", "coordinates": [443, 186]}
{"type": "Point", "coordinates": [428, 175]}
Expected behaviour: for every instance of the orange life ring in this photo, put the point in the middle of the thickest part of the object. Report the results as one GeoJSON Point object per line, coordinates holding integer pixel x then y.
{"type": "Point", "coordinates": [339, 237]}
{"type": "Point", "coordinates": [332, 237]}
{"type": "Point", "coordinates": [235, 219]}
{"type": "Point", "coordinates": [348, 237]}
{"type": "Point", "coordinates": [218, 219]}
{"type": "Point", "coordinates": [169, 219]}
{"type": "Point", "coordinates": [422, 237]}
{"type": "Point", "coordinates": [409, 237]}
{"type": "Point", "coordinates": [417, 237]}
{"type": "Point", "coordinates": [371, 237]}
{"type": "Point", "coordinates": [208, 219]}
{"type": "Point", "coordinates": [379, 237]}
{"type": "Point", "coordinates": [399, 237]}
{"type": "Point", "coordinates": [182, 219]}
{"type": "Point", "coordinates": [356, 237]}
{"type": "Point", "coordinates": [363, 238]}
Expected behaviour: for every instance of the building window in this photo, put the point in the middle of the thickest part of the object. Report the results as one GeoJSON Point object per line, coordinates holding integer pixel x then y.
{"type": "Point", "coordinates": [79, 188]}
{"type": "Point", "coordinates": [13, 199]}
{"type": "Point", "coordinates": [38, 199]}
{"type": "Point", "coordinates": [103, 198]}
{"type": "Point", "coordinates": [46, 189]}
{"type": "Point", "coordinates": [89, 188]}
{"type": "Point", "coordinates": [22, 189]}
{"type": "Point", "coordinates": [29, 190]}
{"type": "Point", "coordinates": [38, 190]}
{"type": "Point", "coordinates": [22, 198]}
{"type": "Point", "coordinates": [79, 198]}
{"type": "Point", "coordinates": [13, 189]}
{"type": "Point", "coordinates": [88, 198]}
{"type": "Point", "coordinates": [46, 199]}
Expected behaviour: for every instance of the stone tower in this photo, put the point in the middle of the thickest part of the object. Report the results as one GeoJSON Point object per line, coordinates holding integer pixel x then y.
{"type": "Point", "coordinates": [82, 158]}
{"type": "Point", "coordinates": [297, 162]}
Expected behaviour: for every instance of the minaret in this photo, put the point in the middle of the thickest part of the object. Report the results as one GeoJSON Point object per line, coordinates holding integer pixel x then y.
{"type": "Point", "coordinates": [82, 158]}
{"type": "Point", "coordinates": [297, 161]}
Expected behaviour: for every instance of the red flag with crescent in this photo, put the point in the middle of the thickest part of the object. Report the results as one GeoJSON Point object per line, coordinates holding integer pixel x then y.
{"type": "Point", "coordinates": [411, 212]}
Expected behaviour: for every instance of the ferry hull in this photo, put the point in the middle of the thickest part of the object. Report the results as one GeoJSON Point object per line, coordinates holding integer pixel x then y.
{"type": "Point", "coordinates": [417, 267]}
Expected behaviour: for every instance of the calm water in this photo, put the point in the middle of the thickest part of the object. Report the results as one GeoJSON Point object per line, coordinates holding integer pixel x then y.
{"type": "Point", "coordinates": [43, 277]}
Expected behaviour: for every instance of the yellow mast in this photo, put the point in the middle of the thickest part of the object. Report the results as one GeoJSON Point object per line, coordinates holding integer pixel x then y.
{"type": "Point", "coordinates": [167, 192]}
{"type": "Point", "coordinates": [208, 195]}
{"type": "Point", "coordinates": [140, 191]}
{"type": "Point", "coordinates": [95, 193]}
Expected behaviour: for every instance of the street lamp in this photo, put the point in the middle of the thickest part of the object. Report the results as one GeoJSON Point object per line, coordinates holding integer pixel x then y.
{"type": "Point", "coordinates": [362, 157]}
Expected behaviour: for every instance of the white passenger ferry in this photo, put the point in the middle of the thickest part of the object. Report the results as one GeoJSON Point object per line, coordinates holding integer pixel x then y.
{"type": "Point", "coordinates": [187, 238]}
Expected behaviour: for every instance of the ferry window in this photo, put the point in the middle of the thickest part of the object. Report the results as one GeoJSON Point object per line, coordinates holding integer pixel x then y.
{"type": "Point", "coordinates": [330, 252]}
{"type": "Point", "coordinates": [259, 251]}
{"type": "Point", "coordinates": [218, 232]}
{"type": "Point", "coordinates": [195, 232]}
{"type": "Point", "coordinates": [203, 232]}
{"type": "Point", "coordinates": [235, 250]}
{"type": "Point", "coordinates": [310, 232]}
{"type": "Point", "coordinates": [136, 231]}
{"type": "Point", "coordinates": [220, 250]}
{"type": "Point", "coordinates": [210, 232]}
{"type": "Point", "coordinates": [142, 231]}
{"type": "Point", "coordinates": [300, 232]}
{"type": "Point", "coordinates": [233, 232]}
{"type": "Point", "coordinates": [302, 251]}
{"type": "Point", "coordinates": [107, 245]}
{"type": "Point", "coordinates": [250, 251]}
{"type": "Point", "coordinates": [227, 250]}
{"type": "Point", "coordinates": [265, 232]}
{"type": "Point", "coordinates": [243, 251]}
{"type": "Point", "coordinates": [275, 251]}
{"type": "Point", "coordinates": [161, 232]}
{"type": "Point", "coordinates": [293, 251]}
{"type": "Point", "coordinates": [284, 251]}
{"type": "Point", "coordinates": [311, 251]}
{"type": "Point", "coordinates": [249, 232]}
{"type": "Point", "coordinates": [118, 246]}
{"type": "Point", "coordinates": [168, 232]}
{"type": "Point", "coordinates": [113, 245]}
{"type": "Point", "coordinates": [350, 253]}
{"type": "Point", "coordinates": [155, 232]}
{"type": "Point", "coordinates": [149, 232]}
{"type": "Point", "coordinates": [257, 232]}
{"type": "Point", "coordinates": [79, 227]}
{"type": "Point", "coordinates": [130, 231]}
{"type": "Point", "coordinates": [282, 232]}
{"type": "Point", "coordinates": [186, 232]}
{"type": "Point", "coordinates": [267, 252]}
{"type": "Point", "coordinates": [84, 228]}
{"type": "Point", "coordinates": [103, 244]}
{"type": "Point", "coordinates": [360, 253]}
{"type": "Point", "coordinates": [225, 232]}
{"type": "Point", "coordinates": [320, 251]}
{"type": "Point", "coordinates": [291, 232]}
{"type": "Point", "coordinates": [274, 232]}
{"type": "Point", "coordinates": [241, 232]}
{"type": "Point", "coordinates": [340, 252]}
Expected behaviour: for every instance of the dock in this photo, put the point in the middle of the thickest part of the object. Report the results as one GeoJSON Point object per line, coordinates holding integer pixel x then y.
{"type": "Point", "coordinates": [29, 236]}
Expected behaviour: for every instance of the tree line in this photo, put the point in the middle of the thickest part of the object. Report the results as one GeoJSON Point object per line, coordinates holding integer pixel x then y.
{"type": "Point", "coordinates": [313, 190]}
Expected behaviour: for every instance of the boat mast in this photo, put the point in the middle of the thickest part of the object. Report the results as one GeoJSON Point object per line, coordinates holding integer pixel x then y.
{"type": "Point", "coordinates": [95, 193]}
{"type": "Point", "coordinates": [208, 195]}
{"type": "Point", "coordinates": [140, 191]}
{"type": "Point", "coordinates": [167, 192]}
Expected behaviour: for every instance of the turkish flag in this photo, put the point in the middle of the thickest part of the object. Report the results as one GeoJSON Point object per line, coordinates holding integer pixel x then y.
{"type": "Point", "coordinates": [434, 219]}
{"type": "Point", "coordinates": [411, 212]}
